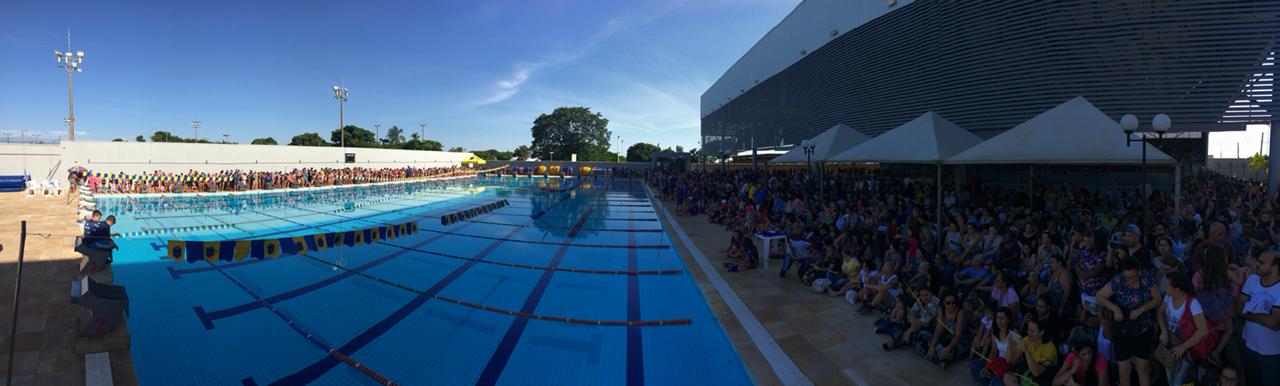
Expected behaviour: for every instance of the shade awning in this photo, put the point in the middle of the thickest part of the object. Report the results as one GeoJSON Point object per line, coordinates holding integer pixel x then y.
{"type": "Point", "coordinates": [826, 145]}
{"type": "Point", "coordinates": [1074, 132]}
{"type": "Point", "coordinates": [929, 138]}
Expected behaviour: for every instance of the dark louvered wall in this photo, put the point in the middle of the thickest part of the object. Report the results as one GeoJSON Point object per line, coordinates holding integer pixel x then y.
{"type": "Point", "coordinates": [990, 65]}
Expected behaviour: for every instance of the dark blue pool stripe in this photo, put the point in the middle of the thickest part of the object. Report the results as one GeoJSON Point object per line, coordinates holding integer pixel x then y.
{"type": "Point", "coordinates": [207, 318]}
{"type": "Point", "coordinates": [566, 243]}
{"type": "Point", "coordinates": [635, 342]}
{"type": "Point", "coordinates": [498, 362]}
{"type": "Point", "coordinates": [317, 369]}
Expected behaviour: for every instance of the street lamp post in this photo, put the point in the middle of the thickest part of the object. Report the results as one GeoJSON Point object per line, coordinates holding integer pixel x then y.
{"type": "Point", "coordinates": [340, 94]}
{"type": "Point", "coordinates": [72, 63]}
{"type": "Point", "coordinates": [1160, 123]}
{"type": "Point", "coordinates": [808, 146]}
{"type": "Point", "coordinates": [195, 130]}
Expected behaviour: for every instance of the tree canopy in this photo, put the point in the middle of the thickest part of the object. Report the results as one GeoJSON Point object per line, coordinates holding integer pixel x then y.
{"type": "Point", "coordinates": [457, 149]}
{"type": "Point", "coordinates": [1258, 161]}
{"type": "Point", "coordinates": [140, 139]}
{"type": "Point", "coordinates": [118, 140]}
{"type": "Point", "coordinates": [493, 155]}
{"type": "Point", "coordinates": [264, 141]}
{"type": "Point", "coordinates": [571, 130]}
{"type": "Point", "coordinates": [308, 139]}
{"type": "Point", "coordinates": [165, 136]}
{"type": "Point", "coordinates": [356, 137]}
{"type": "Point", "coordinates": [416, 144]}
{"type": "Point", "coordinates": [641, 152]}
{"type": "Point", "coordinates": [522, 152]}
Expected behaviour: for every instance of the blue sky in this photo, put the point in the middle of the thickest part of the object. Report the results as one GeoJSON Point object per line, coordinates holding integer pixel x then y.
{"type": "Point", "coordinates": [478, 72]}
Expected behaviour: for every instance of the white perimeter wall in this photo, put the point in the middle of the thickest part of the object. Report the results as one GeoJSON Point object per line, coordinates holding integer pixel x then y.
{"type": "Point", "coordinates": [138, 157]}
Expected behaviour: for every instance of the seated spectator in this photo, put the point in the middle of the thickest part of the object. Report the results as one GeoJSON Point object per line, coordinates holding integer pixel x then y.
{"type": "Point", "coordinates": [1005, 351]}
{"type": "Point", "coordinates": [949, 338]}
{"type": "Point", "coordinates": [919, 318]}
{"type": "Point", "coordinates": [1083, 366]}
{"type": "Point", "coordinates": [1040, 353]}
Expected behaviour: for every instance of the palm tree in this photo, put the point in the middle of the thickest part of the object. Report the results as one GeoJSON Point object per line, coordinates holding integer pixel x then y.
{"type": "Point", "coordinates": [395, 135]}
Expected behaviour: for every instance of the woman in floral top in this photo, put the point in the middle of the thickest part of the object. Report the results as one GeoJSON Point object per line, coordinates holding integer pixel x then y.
{"type": "Point", "coordinates": [1131, 296]}
{"type": "Point", "coordinates": [1090, 268]}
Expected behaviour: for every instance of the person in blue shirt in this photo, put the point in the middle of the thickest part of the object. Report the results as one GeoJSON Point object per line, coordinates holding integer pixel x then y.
{"type": "Point", "coordinates": [97, 234]}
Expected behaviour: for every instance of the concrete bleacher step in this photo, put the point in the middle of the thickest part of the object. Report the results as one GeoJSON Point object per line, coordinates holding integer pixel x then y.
{"type": "Point", "coordinates": [97, 369]}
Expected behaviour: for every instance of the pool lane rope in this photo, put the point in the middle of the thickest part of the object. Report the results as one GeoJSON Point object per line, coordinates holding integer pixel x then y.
{"type": "Point", "coordinates": [551, 318]}
{"type": "Point", "coordinates": [236, 250]}
{"type": "Point", "coordinates": [471, 213]}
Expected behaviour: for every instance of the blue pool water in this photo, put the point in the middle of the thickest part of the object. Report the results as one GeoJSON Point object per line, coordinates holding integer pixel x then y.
{"type": "Point", "coordinates": [481, 301]}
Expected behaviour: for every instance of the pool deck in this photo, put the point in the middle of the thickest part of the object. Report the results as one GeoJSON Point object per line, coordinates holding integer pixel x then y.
{"type": "Point", "coordinates": [48, 352]}
{"type": "Point", "coordinates": [829, 343]}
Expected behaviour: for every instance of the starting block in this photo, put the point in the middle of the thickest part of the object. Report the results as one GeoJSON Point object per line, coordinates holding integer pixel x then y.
{"type": "Point", "coordinates": [92, 259]}
{"type": "Point", "coordinates": [108, 304]}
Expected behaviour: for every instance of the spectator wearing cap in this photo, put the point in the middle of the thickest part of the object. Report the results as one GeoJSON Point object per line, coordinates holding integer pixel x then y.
{"type": "Point", "coordinates": [1132, 240]}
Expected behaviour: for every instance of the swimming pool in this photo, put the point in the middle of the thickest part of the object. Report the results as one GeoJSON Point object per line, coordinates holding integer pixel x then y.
{"type": "Point", "coordinates": [572, 282]}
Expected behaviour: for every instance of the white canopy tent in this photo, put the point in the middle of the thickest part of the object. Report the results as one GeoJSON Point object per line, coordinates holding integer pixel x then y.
{"type": "Point", "coordinates": [1074, 132]}
{"type": "Point", "coordinates": [929, 138]}
{"type": "Point", "coordinates": [831, 142]}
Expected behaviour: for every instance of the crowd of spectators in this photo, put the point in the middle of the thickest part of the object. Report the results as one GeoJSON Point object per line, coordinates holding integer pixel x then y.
{"type": "Point", "coordinates": [1029, 284]}
{"type": "Point", "coordinates": [244, 180]}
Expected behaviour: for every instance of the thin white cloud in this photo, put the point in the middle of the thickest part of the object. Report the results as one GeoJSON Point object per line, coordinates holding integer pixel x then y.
{"type": "Point", "coordinates": [509, 87]}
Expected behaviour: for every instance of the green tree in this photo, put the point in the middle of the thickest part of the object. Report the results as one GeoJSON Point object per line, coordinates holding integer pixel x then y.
{"type": "Point", "coordinates": [395, 136]}
{"type": "Point", "coordinates": [140, 139]}
{"type": "Point", "coordinates": [308, 139]}
{"type": "Point", "coordinates": [1259, 161]}
{"type": "Point", "coordinates": [118, 140]}
{"type": "Point", "coordinates": [457, 149]}
{"type": "Point", "coordinates": [356, 137]}
{"type": "Point", "coordinates": [264, 141]}
{"type": "Point", "coordinates": [416, 144]}
{"type": "Point", "coordinates": [571, 130]}
{"type": "Point", "coordinates": [163, 136]}
{"type": "Point", "coordinates": [522, 152]}
{"type": "Point", "coordinates": [641, 152]}
{"type": "Point", "coordinates": [493, 155]}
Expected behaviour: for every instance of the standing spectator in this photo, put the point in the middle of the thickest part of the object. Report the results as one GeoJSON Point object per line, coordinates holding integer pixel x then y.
{"type": "Point", "coordinates": [1179, 306]}
{"type": "Point", "coordinates": [1260, 308]}
{"type": "Point", "coordinates": [1131, 296]}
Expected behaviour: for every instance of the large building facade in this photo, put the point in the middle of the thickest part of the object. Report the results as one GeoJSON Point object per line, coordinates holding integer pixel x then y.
{"type": "Point", "coordinates": [990, 65]}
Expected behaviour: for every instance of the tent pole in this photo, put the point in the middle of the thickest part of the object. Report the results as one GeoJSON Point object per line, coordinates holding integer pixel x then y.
{"type": "Point", "coordinates": [937, 219]}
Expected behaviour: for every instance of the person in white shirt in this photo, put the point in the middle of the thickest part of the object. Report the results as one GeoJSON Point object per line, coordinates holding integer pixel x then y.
{"type": "Point", "coordinates": [1177, 303]}
{"type": "Point", "coordinates": [1259, 305]}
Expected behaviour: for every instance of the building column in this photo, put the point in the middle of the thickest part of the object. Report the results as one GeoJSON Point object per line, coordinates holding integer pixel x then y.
{"type": "Point", "coordinates": [1273, 165]}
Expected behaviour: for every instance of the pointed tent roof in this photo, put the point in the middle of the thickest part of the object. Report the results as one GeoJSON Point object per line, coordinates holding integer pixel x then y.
{"type": "Point", "coordinates": [831, 142]}
{"type": "Point", "coordinates": [1074, 132]}
{"type": "Point", "coordinates": [927, 139]}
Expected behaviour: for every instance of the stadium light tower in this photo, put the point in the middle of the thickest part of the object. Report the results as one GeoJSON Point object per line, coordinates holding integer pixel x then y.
{"type": "Point", "coordinates": [377, 132]}
{"type": "Point", "coordinates": [340, 94]}
{"type": "Point", "coordinates": [195, 129]}
{"type": "Point", "coordinates": [422, 133]}
{"type": "Point", "coordinates": [72, 62]}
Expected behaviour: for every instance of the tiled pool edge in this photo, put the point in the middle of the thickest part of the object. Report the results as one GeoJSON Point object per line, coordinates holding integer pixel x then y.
{"type": "Point", "coordinates": [781, 364]}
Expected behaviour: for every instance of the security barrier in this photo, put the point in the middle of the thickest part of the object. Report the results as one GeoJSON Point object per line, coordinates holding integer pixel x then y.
{"type": "Point", "coordinates": [236, 250]}
{"type": "Point", "coordinates": [459, 216]}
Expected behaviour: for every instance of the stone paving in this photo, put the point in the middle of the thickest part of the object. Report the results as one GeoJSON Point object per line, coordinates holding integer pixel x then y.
{"type": "Point", "coordinates": [822, 334]}
{"type": "Point", "coordinates": [48, 350]}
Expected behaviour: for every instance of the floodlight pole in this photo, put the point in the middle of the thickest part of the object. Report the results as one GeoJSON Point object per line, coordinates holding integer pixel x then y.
{"type": "Point", "coordinates": [422, 133]}
{"type": "Point", "coordinates": [195, 130]}
{"type": "Point", "coordinates": [340, 94]}
{"type": "Point", "coordinates": [377, 132]}
{"type": "Point", "coordinates": [72, 62]}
